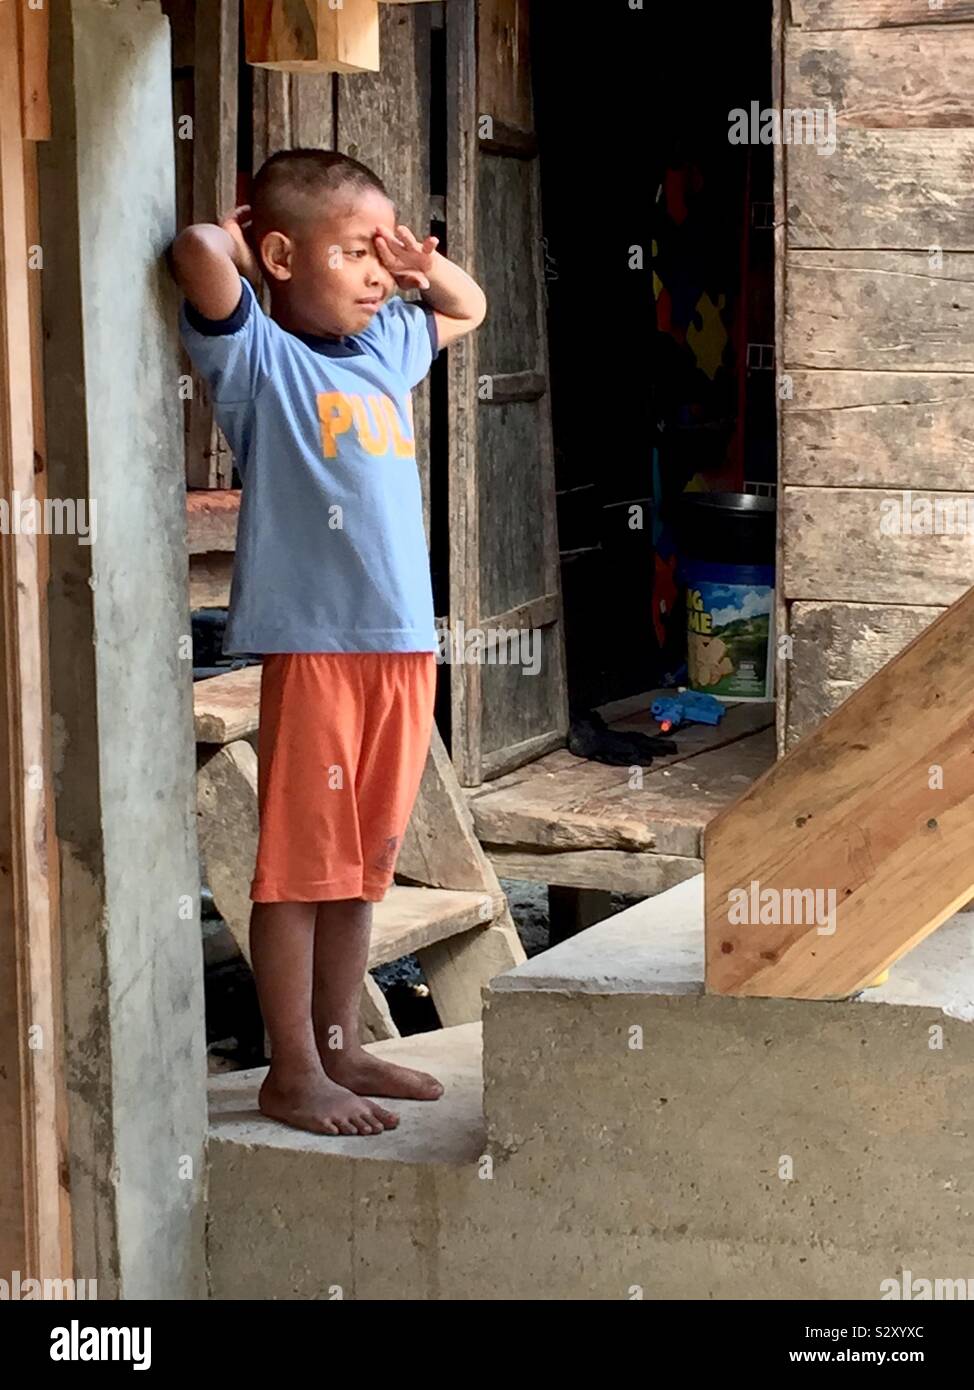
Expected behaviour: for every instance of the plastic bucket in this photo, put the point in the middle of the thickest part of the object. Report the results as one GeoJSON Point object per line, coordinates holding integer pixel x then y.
{"type": "Point", "coordinates": [727, 562]}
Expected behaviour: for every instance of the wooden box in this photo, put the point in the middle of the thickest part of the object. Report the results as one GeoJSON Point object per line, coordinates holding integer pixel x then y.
{"type": "Point", "coordinates": [312, 36]}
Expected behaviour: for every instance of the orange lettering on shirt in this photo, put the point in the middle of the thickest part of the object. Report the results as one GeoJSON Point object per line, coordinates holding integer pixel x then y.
{"type": "Point", "coordinates": [372, 442]}
{"type": "Point", "coordinates": [335, 415]}
{"type": "Point", "coordinates": [405, 448]}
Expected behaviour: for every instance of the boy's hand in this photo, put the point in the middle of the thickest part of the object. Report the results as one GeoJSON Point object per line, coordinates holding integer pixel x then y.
{"type": "Point", "coordinates": [407, 261]}
{"type": "Point", "coordinates": [238, 225]}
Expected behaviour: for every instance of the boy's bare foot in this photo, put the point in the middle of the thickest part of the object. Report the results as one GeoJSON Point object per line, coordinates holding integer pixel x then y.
{"type": "Point", "coordinates": [310, 1100]}
{"type": "Point", "coordinates": [368, 1075]}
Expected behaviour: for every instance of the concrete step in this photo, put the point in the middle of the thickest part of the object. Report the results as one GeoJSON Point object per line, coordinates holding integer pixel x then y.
{"type": "Point", "coordinates": [640, 1135]}
{"type": "Point", "coordinates": [450, 1130]}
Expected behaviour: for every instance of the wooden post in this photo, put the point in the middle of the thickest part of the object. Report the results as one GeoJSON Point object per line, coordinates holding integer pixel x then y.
{"type": "Point", "coordinates": [34, 1231]}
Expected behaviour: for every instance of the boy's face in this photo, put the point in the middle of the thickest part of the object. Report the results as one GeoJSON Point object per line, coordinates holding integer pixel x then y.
{"type": "Point", "coordinates": [334, 279]}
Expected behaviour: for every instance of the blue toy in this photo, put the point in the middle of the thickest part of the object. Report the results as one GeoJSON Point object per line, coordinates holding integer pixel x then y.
{"type": "Point", "coordinates": [689, 707]}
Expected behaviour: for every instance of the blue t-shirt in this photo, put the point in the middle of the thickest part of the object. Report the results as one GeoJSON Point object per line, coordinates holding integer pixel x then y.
{"type": "Point", "coordinates": [331, 551]}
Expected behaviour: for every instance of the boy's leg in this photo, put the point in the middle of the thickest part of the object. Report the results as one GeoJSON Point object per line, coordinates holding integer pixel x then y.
{"type": "Point", "coordinates": [397, 694]}
{"type": "Point", "coordinates": [341, 959]}
{"type": "Point", "coordinates": [296, 1089]}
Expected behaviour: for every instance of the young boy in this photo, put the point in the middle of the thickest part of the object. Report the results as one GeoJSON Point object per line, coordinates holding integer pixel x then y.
{"type": "Point", "coordinates": [331, 586]}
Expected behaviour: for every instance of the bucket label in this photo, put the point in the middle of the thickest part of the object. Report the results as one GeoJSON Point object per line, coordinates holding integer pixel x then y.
{"type": "Point", "coordinates": [729, 638]}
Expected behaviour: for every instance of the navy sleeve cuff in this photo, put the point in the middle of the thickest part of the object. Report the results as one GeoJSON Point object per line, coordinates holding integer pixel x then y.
{"type": "Point", "coordinates": [431, 330]}
{"type": "Point", "coordinates": [218, 328]}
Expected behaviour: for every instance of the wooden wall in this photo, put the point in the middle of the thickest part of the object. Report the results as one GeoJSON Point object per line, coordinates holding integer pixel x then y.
{"type": "Point", "coordinates": [876, 333]}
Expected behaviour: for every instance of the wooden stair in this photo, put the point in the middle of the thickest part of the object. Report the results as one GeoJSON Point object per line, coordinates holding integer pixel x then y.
{"type": "Point", "coordinates": [874, 810]}
{"type": "Point", "coordinates": [450, 912]}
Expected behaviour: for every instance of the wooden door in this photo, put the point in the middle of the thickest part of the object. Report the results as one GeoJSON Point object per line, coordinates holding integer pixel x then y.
{"type": "Point", "coordinates": [504, 574]}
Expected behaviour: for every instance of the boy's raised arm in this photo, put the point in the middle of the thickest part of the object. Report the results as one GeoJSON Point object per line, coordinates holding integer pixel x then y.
{"type": "Point", "coordinates": [207, 262]}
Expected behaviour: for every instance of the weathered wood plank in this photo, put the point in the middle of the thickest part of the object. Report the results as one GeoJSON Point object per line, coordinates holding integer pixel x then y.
{"type": "Point", "coordinates": [878, 429]}
{"type": "Point", "coordinates": [837, 647]}
{"type": "Point", "coordinates": [228, 829]}
{"type": "Point", "coordinates": [873, 811]}
{"type": "Point", "coordinates": [899, 78]}
{"type": "Point", "coordinates": [227, 708]}
{"type": "Point", "coordinates": [210, 577]}
{"type": "Point", "coordinates": [440, 847]}
{"type": "Point", "coordinates": [879, 310]}
{"type": "Point", "coordinates": [458, 969]}
{"type": "Point", "coordinates": [462, 368]}
{"type": "Point", "coordinates": [877, 14]}
{"type": "Point", "coordinates": [883, 189]}
{"type": "Point", "coordinates": [211, 520]}
{"type": "Point", "coordinates": [565, 803]}
{"type": "Point", "coordinates": [375, 1019]}
{"type": "Point", "coordinates": [312, 109]}
{"type": "Point", "coordinates": [208, 459]}
{"type": "Point", "coordinates": [271, 114]}
{"type": "Point", "coordinates": [614, 871]}
{"type": "Point", "coordinates": [834, 549]}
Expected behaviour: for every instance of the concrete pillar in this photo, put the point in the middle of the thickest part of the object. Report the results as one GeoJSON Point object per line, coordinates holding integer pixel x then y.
{"type": "Point", "coordinates": [120, 663]}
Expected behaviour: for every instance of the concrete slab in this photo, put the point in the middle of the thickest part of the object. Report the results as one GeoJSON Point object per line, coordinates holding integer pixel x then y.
{"type": "Point", "coordinates": [657, 947]}
{"type": "Point", "coordinates": [449, 1130]}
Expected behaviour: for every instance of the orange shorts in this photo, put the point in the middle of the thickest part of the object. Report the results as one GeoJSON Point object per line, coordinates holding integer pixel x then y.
{"type": "Point", "coordinates": [341, 750]}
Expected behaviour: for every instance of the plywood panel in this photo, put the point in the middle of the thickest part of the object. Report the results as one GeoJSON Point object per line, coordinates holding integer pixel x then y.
{"type": "Point", "coordinates": [876, 310]}
{"type": "Point", "coordinates": [873, 811]}
{"type": "Point", "coordinates": [834, 548]}
{"type": "Point", "coordinates": [899, 78]}
{"type": "Point", "coordinates": [879, 429]}
{"type": "Point", "coordinates": [884, 189]}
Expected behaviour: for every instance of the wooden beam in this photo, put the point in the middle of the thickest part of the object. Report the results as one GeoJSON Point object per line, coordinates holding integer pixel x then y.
{"type": "Point", "coordinates": [466, 689]}
{"type": "Point", "coordinates": [877, 14]}
{"type": "Point", "coordinates": [35, 98]}
{"type": "Point", "coordinates": [33, 1205]}
{"type": "Point", "coordinates": [214, 147]}
{"type": "Point", "coordinates": [612, 870]}
{"type": "Point", "coordinates": [857, 844]}
{"type": "Point", "coordinates": [312, 35]}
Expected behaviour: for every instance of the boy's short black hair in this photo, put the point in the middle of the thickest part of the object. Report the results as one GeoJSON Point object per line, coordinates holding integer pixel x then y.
{"type": "Point", "coordinates": [285, 179]}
